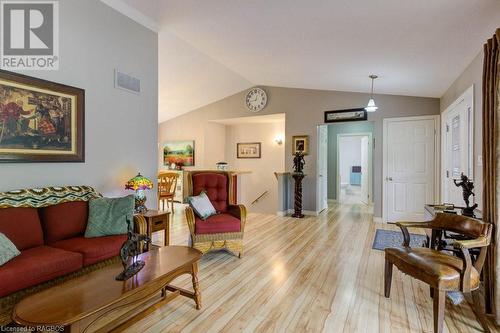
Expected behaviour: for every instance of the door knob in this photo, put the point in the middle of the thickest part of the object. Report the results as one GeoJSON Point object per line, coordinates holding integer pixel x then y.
{"type": "Point", "coordinates": [389, 179]}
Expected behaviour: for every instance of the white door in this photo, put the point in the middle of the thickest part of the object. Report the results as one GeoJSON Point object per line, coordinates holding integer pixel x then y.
{"type": "Point", "coordinates": [365, 148]}
{"type": "Point", "coordinates": [322, 180]}
{"type": "Point", "coordinates": [457, 147]}
{"type": "Point", "coordinates": [410, 167]}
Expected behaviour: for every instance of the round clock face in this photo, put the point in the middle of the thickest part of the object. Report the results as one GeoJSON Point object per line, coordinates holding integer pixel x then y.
{"type": "Point", "coordinates": [256, 99]}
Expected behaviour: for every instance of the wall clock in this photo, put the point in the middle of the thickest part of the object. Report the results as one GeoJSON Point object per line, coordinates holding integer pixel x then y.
{"type": "Point", "coordinates": [256, 99]}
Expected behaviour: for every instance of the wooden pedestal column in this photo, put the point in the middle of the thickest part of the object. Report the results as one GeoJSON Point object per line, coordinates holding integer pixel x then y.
{"type": "Point", "coordinates": [298, 195]}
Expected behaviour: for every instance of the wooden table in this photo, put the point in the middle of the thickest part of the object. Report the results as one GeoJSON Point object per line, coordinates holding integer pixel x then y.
{"type": "Point", "coordinates": [97, 302]}
{"type": "Point", "coordinates": [158, 220]}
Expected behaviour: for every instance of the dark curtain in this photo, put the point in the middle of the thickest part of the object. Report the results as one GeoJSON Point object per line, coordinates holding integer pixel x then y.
{"type": "Point", "coordinates": [491, 78]}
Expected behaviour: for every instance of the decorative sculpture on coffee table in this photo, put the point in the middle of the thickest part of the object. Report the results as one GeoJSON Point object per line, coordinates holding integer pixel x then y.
{"type": "Point", "coordinates": [298, 175]}
{"type": "Point", "coordinates": [131, 250]}
{"type": "Point", "coordinates": [467, 186]}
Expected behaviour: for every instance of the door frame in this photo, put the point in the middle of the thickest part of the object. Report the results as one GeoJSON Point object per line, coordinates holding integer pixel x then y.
{"type": "Point", "coordinates": [325, 177]}
{"type": "Point", "coordinates": [437, 157]}
{"type": "Point", "coordinates": [370, 164]}
{"type": "Point", "coordinates": [468, 94]}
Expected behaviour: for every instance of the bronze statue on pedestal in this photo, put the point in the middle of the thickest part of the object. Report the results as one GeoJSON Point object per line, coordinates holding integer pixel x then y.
{"type": "Point", "coordinates": [467, 186]}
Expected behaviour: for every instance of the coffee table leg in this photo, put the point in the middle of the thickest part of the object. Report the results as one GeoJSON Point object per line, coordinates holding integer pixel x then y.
{"type": "Point", "coordinates": [196, 286]}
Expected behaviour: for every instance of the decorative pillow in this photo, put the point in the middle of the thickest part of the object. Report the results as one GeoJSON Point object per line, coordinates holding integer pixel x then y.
{"type": "Point", "coordinates": [7, 249]}
{"type": "Point", "coordinates": [202, 206]}
{"type": "Point", "coordinates": [110, 216]}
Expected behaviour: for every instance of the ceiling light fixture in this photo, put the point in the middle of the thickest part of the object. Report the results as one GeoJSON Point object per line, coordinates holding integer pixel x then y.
{"type": "Point", "coordinates": [372, 107]}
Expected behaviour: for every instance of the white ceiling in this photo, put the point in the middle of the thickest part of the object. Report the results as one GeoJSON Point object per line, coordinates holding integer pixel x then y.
{"type": "Point", "coordinates": [211, 49]}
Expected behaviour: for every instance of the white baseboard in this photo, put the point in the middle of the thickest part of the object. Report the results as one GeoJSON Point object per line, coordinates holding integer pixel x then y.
{"type": "Point", "coordinates": [281, 213]}
{"type": "Point", "coordinates": [378, 219]}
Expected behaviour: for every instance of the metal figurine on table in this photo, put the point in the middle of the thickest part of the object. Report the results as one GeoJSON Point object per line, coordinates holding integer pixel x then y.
{"type": "Point", "coordinates": [467, 186]}
{"type": "Point", "coordinates": [298, 175]}
{"type": "Point", "coordinates": [131, 249]}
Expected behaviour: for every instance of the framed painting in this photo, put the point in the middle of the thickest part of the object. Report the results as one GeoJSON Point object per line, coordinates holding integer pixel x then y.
{"type": "Point", "coordinates": [346, 115]}
{"type": "Point", "coordinates": [40, 121]}
{"type": "Point", "coordinates": [178, 153]}
{"type": "Point", "coordinates": [300, 143]}
{"type": "Point", "coordinates": [248, 150]}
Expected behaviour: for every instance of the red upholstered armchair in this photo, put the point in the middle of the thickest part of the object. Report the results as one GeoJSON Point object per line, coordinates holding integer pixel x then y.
{"type": "Point", "coordinates": [221, 231]}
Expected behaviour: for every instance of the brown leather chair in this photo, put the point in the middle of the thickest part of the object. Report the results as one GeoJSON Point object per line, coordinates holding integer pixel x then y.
{"type": "Point", "coordinates": [167, 184]}
{"type": "Point", "coordinates": [442, 270]}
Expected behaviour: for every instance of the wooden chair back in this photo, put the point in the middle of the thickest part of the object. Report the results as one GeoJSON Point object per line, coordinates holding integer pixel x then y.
{"type": "Point", "coordinates": [460, 224]}
{"type": "Point", "coordinates": [167, 183]}
{"type": "Point", "coordinates": [468, 227]}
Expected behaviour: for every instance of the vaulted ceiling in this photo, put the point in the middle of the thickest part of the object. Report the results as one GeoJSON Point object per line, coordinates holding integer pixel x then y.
{"type": "Point", "coordinates": [211, 49]}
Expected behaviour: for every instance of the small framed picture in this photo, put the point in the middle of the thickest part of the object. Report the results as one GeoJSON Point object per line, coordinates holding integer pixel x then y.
{"type": "Point", "coordinates": [346, 115]}
{"type": "Point", "coordinates": [300, 143]}
{"type": "Point", "coordinates": [248, 150]}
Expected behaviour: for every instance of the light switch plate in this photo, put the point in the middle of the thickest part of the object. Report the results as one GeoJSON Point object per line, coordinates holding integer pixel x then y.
{"type": "Point", "coordinates": [479, 160]}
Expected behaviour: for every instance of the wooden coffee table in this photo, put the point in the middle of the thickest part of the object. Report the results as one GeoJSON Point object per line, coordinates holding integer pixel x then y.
{"type": "Point", "coordinates": [97, 302]}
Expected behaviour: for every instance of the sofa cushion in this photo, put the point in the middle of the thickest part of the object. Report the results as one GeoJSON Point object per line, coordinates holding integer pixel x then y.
{"type": "Point", "coordinates": [37, 265]}
{"type": "Point", "coordinates": [64, 220]}
{"type": "Point", "coordinates": [215, 185]}
{"type": "Point", "coordinates": [93, 249]}
{"type": "Point", "coordinates": [8, 250]}
{"type": "Point", "coordinates": [22, 226]}
{"type": "Point", "coordinates": [110, 216]}
{"type": "Point", "coordinates": [215, 224]}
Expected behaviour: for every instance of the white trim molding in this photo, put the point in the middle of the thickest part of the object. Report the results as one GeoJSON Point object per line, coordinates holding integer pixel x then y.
{"type": "Point", "coordinates": [468, 97]}
{"type": "Point", "coordinates": [133, 14]}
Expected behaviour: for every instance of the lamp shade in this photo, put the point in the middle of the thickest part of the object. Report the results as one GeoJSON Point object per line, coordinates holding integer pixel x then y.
{"type": "Point", "coordinates": [371, 107]}
{"type": "Point", "coordinates": [139, 182]}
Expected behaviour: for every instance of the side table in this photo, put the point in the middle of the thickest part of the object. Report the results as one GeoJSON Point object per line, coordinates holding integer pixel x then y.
{"type": "Point", "coordinates": [158, 220]}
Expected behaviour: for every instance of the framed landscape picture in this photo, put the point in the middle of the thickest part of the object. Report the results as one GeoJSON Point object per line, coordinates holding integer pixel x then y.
{"type": "Point", "coordinates": [248, 150]}
{"type": "Point", "coordinates": [300, 143]}
{"type": "Point", "coordinates": [40, 121]}
{"type": "Point", "coordinates": [180, 153]}
{"type": "Point", "coordinates": [346, 115]}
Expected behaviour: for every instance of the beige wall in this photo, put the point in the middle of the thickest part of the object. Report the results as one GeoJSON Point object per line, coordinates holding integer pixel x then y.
{"type": "Point", "coordinates": [209, 140]}
{"type": "Point", "coordinates": [120, 127]}
{"type": "Point", "coordinates": [272, 160]}
{"type": "Point", "coordinates": [472, 75]}
{"type": "Point", "coordinates": [304, 112]}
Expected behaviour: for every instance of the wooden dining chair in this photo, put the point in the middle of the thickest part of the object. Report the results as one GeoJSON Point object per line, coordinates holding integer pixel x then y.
{"type": "Point", "coordinates": [167, 184]}
{"type": "Point", "coordinates": [442, 270]}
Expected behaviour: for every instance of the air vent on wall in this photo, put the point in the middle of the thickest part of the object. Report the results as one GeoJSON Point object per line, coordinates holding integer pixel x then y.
{"type": "Point", "coordinates": [127, 82]}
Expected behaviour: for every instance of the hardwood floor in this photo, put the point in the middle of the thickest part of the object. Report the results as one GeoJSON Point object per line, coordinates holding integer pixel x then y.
{"type": "Point", "coordinates": [317, 274]}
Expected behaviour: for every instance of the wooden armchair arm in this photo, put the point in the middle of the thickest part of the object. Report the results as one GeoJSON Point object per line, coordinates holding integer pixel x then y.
{"type": "Point", "coordinates": [425, 225]}
{"type": "Point", "coordinates": [471, 243]}
{"type": "Point", "coordinates": [404, 229]}
{"type": "Point", "coordinates": [464, 246]}
{"type": "Point", "coordinates": [240, 212]}
{"type": "Point", "coordinates": [190, 220]}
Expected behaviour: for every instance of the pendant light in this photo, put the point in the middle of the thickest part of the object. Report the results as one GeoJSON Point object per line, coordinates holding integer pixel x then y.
{"type": "Point", "coordinates": [372, 107]}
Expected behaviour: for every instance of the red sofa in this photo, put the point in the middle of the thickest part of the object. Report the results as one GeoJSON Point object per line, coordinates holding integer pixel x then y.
{"type": "Point", "coordinates": [50, 238]}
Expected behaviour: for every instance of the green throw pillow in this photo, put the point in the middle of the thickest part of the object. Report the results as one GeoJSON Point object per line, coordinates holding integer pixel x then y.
{"type": "Point", "coordinates": [7, 249]}
{"type": "Point", "coordinates": [202, 206]}
{"type": "Point", "coordinates": [110, 216]}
